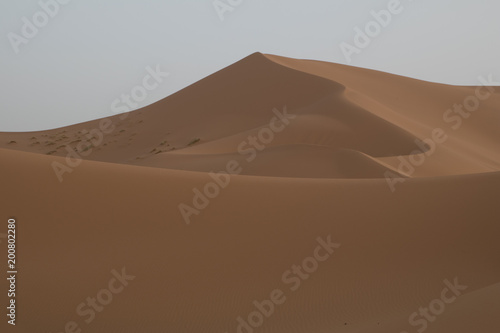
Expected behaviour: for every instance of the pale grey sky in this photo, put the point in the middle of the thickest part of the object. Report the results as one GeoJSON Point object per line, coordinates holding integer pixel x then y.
{"type": "Point", "coordinates": [87, 53]}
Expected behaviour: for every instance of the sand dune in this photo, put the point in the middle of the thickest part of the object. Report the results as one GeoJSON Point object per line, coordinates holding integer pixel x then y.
{"type": "Point", "coordinates": [301, 161]}
{"type": "Point", "coordinates": [340, 107]}
{"type": "Point", "coordinates": [322, 176]}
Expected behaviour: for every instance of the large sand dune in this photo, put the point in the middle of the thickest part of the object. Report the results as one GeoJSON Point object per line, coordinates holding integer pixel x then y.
{"type": "Point", "coordinates": [427, 236]}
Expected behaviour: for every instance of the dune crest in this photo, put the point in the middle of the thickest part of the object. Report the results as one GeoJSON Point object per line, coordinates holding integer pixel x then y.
{"type": "Point", "coordinates": [337, 106]}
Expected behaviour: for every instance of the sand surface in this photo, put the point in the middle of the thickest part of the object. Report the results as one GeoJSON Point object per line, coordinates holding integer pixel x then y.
{"type": "Point", "coordinates": [324, 174]}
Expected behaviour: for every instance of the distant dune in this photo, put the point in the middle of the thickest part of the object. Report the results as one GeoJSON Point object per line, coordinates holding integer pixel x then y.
{"type": "Point", "coordinates": [403, 174]}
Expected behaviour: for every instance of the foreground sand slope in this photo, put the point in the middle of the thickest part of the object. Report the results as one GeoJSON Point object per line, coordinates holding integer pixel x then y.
{"type": "Point", "coordinates": [395, 249]}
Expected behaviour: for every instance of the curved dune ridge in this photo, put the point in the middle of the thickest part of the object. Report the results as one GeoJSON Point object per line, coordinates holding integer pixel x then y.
{"type": "Point", "coordinates": [383, 116]}
{"type": "Point", "coordinates": [361, 205]}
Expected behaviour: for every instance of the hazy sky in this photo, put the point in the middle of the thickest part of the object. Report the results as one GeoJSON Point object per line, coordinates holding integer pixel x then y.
{"type": "Point", "coordinates": [87, 53]}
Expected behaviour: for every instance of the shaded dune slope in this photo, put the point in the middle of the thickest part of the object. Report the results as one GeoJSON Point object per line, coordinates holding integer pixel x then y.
{"type": "Point", "coordinates": [340, 107]}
